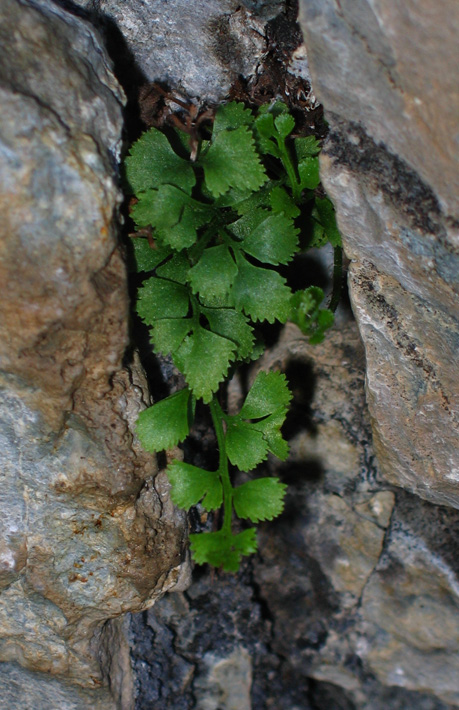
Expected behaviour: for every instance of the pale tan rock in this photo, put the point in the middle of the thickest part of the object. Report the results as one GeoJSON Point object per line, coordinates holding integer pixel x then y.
{"type": "Point", "coordinates": [88, 531]}
{"type": "Point", "coordinates": [411, 384]}
{"type": "Point", "coordinates": [227, 683]}
{"type": "Point", "coordinates": [378, 508]}
{"type": "Point", "coordinates": [385, 73]}
{"type": "Point", "coordinates": [391, 67]}
{"type": "Point", "coordinates": [349, 549]}
{"type": "Point", "coordinates": [410, 610]}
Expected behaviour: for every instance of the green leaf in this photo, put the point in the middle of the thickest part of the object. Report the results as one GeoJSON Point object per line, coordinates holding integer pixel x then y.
{"type": "Point", "coordinates": [307, 314]}
{"type": "Point", "coordinates": [272, 126]}
{"type": "Point", "coordinates": [230, 116]}
{"type": "Point", "coordinates": [327, 218]}
{"type": "Point", "coordinates": [262, 294]}
{"type": "Point", "coordinates": [245, 445]}
{"type": "Point", "coordinates": [277, 445]}
{"type": "Point", "coordinates": [270, 428]}
{"type": "Point", "coordinates": [242, 227]}
{"type": "Point", "coordinates": [214, 273]}
{"type": "Point", "coordinates": [166, 423]}
{"type": "Point", "coordinates": [174, 215]}
{"type": "Point", "coordinates": [191, 484]}
{"type": "Point", "coordinates": [234, 197]}
{"type": "Point", "coordinates": [169, 333]}
{"type": "Point", "coordinates": [143, 211]}
{"type": "Point", "coordinates": [262, 499]}
{"type": "Point", "coordinates": [285, 123]}
{"type": "Point", "coordinates": [274, 241]}
{"type": "Point", "coordinates": [281, 201]}
{"type": "Point", "coordinates": [318, 236]}
{"type": "Point", "coordinates": [248, 443]}
{"type": "Point", "coordinates": [270, 238]}
{"type": "Point", "coordinates": [217, 301]}
{"type": "Point", "coordinates": [264, 133]}
{"type": "Point", "coordinates": [325, 319]}
{"type": "Point", "coordinates": [152, 162]}
{"type": "Point", "coordinates": [260, 198]}
{"type": "Point", "coordinates": [308, 170]}
{"type": "Point", "coordinates": [175, 269]}
{"type": "Point", "coordinates": [264, 125]}
{"type": "Point", "coordinates": [275, 109]}
{"type": "Point", "coordinates": [306, 147]}
{"type": "Point", "coordinates": [204, 359]}
{"type": "Point", "coordinates": [159, 298]}
{"type": "Point", "coordinates": [146, 257]}
{"type": "Point", "coordinates": [232, 325]}
{"type": "Point", "coordinates": [305, 305]}
{"type": "Point", "coordinates": [232, 161]}
{"type": "Point", "coordinates": [268, 392]}
{"type": "Point", "coordinates": [259, 346]}
{"type": "Point", "coordinates": [221, 549]}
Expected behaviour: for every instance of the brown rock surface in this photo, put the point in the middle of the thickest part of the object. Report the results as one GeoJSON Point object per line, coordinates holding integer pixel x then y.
{"type": "Point", "coordinates": [87, 531]}
{"type": "Point", "coordinates": [385, 73]}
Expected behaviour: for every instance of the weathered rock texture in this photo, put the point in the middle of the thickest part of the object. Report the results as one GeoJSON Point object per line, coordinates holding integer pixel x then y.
{"type": "Point", "coordinates": [385, 73]}
{"type": "Point", "coordinates": [352, 602]}
{"type": "Point", "coordinates": [86, 533]}
{"type": "Point", "coordinates": [199, 48]}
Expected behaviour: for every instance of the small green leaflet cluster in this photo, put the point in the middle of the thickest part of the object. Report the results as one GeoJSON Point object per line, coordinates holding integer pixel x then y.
{"type": "Point", "coordinates": [222, 224]}
{"type": "Point", "coordinates": [244, 440]}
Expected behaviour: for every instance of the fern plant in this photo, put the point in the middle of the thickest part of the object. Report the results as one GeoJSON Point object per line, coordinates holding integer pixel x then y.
{"type": "Point", "coordinates": [218, 219]}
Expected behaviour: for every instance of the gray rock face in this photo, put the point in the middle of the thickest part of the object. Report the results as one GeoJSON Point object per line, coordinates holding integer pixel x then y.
{"type": "Point", "coordinates": [87, 532]}
{"type": "Point", "coordinates": [200, 48]}
{"type": "Point", "coordinates": [390, 68]}
{"type": "Point", "coordinates": [411, 603]}
{"type": "Point", "coordinates": [362, 583]}
{"type": "Point", "coordinates": [384, 74]}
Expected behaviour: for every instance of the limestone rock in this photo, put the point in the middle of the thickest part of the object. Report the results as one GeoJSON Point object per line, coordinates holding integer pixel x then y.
{"type": "Point", "coordinates": [226, 682]}
{"type": "Point", "coordinates": [87, 532]}
{"type": "Point", "coordinates": [385, 75]}
{"type": "Point", "coordinates": [25, 690]}
{"type": "Point", "coordinates": [361, 583]}
{"type": "Point", "coordinates": [199, 48]}
{"type": "Point", "coordinates": [411, 605]}
{"type": "Point", "coordinates": [390, 68]}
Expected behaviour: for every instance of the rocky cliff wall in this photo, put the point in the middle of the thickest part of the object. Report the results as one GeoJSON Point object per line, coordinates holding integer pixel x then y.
{"type": "Point", "coordinates": [352, 601]}
{"type": "Point", "coordinates": [87, 532]}
{"type": "Point", "coordinates": [385, 73]}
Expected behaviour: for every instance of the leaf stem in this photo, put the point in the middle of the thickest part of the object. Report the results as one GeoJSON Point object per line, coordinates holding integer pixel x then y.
{"type": "Point", "coordinates": [217, 417]}
{"type": "Point", "coordinates": [196, 311]}
{"type": "Point", "coordinates": [218, 222]}
{"type": "Point", "coordinates": [196, 251]}
{"type": "Point", "coordinates": [290, 170]}
{"type": "Point", "coordinates": [337, 278]}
